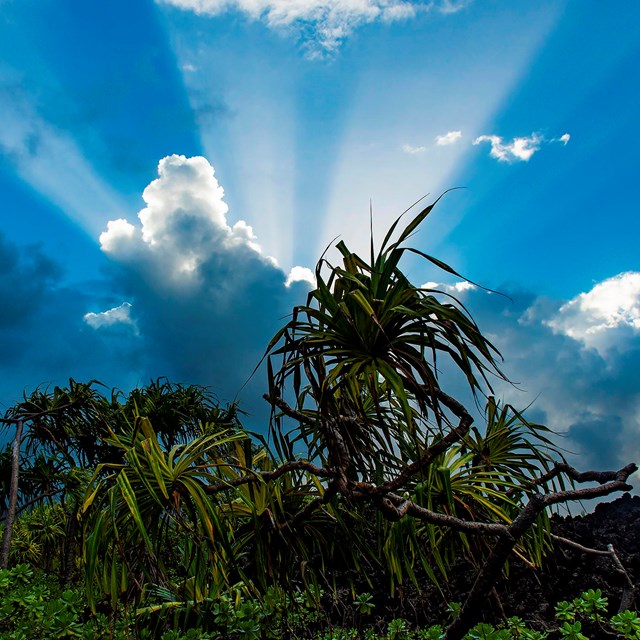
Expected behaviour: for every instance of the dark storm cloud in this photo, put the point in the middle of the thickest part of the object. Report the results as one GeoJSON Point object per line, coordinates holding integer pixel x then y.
{"type": "Point", "coordinates": [43, 339]}
{"type": "Point", "coordinates": [25, 275]}
{"type": "Point", "coordinates": [585, 386]}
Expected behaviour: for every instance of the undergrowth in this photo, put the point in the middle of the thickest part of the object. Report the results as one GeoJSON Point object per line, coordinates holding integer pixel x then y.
{"type": "Point", "coordinates": [33, 606]}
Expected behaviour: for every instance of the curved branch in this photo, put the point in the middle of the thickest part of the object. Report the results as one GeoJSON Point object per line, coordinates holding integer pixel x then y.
{"type": "Point", "coordinates": [288, 410]}
{"type": "Point", "coordinates": [399, 507]}
{"type": "Point", "coordinates": [628, 591]}
{"type": "Point", "coordinates": [489, 573]}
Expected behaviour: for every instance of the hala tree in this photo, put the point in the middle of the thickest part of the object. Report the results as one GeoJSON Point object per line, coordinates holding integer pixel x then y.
{"type": "Point", "coordinates": [362, 359]}
{"type": "Point", "coordinates": [61, 434]}
{"type": "Point", "coordinates": [361, 423]}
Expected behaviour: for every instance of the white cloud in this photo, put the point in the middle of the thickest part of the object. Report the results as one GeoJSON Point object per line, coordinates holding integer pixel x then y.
{"type": "Point", "coordinates": [597, 318]}
{"type": "Point", "coordinates": [457, 287]}
{"type": "Point", "coordinates": [300, 274]}
{"type": "Point", "coordinates": [183, 225]}
{"type": "Point", "coordinates": [407, 148]}
{"type": "Point", "coordinates": [118, 232]}
{"type": "Point", "coordinates": [116, 315]}
{"type": "Point", "coordinates": [519, 149]}
{"type": "Point", "coordinates": [590, 395]}
{"type": "Point", "coordinates": [331, 21]}
{"type": "Point", "coordinates": [448, 138]}
{"type": "Point", "coordinates": [206, 299]}
{"type": "Point", "coordinates": [453, 6]}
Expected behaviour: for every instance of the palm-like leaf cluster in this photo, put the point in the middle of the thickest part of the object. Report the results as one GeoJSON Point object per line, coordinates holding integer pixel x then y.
{"type": "Point", "coordinates": [198, 519]}
{"type": "Point", "coordinates": [364, 353]}
{"type": "Point", "coordinates": [142, 502]}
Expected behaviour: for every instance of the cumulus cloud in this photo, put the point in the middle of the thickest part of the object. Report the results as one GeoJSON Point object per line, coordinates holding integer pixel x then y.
{"type": "Point", "coordinates": [328, 21]}
{"type": "Point", "coordinates": [182, 228]}
{"type": "Point", "coordinates": [591, 396]}
{"type": "Point", "coordinates": [457, 287]}
{"type": "Point", "coordinates": [116, 315]}
{"type": "Point", "coordinates": [205, 299]}
{"type": "Point", "coordinates": [118, 232]}
{"type": "Point", "coordinates": [300, 274]}
{"type": "Point", "coordinates": [519, 149]}
{"type": "Point", "coordinates": [448, 138]}
{"type": "Point", "coordinates": [599, 317]}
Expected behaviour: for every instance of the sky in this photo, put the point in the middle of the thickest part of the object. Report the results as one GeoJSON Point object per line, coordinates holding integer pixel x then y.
{"type": "Point", "coordinates": [171, 171]}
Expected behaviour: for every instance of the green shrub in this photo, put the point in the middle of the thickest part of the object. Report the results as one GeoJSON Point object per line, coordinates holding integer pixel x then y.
{"type": "Point", "coordinates": [33, 606]}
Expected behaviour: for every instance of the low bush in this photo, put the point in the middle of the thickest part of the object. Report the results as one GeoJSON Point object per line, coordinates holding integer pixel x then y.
{"type": "Point", "coordinates": [33, 606]}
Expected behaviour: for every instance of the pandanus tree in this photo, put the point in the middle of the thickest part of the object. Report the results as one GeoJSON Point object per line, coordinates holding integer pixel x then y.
{"type": "Point", "coordinates": [48, 422]}
{"type": "Point", "coordinates": [62, 434]}
{"type": "Point", "coordinates": [362, 425]}
{"type": "Point", "coordinates": [357, 372]}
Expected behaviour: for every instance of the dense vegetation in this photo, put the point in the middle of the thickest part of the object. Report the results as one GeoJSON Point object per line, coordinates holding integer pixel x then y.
{"type": "Point", "coordinates": [162, 517]}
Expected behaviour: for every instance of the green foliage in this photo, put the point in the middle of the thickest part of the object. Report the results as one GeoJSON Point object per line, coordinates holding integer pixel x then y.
{"type": "Point", "coordinates": [591, 604]}
{"type": "Point", "coordinates": [367, 345]}
{"type": "Point", "coordinates": [398, 630]}
{"type": "Point", "coordinates": [571, 631]}
{"type": "Point", "coordinates": [35, 607]}
{"type": "Point", "coordinates": [136, 505]}
{"type": "Point", "coordinates": [364, 604]}
{"type": "Point", "coordinates": [236, 616]}
{"type": "Point", "coordinates": [591, 609]}
{"type": "Point", "coordinates": [37, 534]}
{"type": "Point", "coordinates": [626, 623]}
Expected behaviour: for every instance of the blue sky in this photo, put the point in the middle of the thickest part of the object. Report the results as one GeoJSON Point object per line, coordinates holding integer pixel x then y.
{"type": "Point", "coordinates": [307, 110]}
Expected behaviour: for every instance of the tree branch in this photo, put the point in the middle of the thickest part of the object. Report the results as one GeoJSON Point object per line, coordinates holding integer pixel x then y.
{"type": "Point", "coordinates": [435, 449]}
{"type": "Point", "coordinates": [288, 410]}
{"type": "Point", "coordinates": [490, 571]}
{"type": "Point", "coordinates": [396, 506]}
{"type": "Point", "coordinates": [628, 592]}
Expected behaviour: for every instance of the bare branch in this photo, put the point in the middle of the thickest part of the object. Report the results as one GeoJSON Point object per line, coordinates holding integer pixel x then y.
{"type": "Point", "coordinates": [611, 481]}
{"type": "Point", "coordinates": [399, 506]}
{"type": "Point", "coordinates": [288, 410]}
{"type": "Point", "coordinates": [578, 547]}
{"type": "Point", "coordinates": [628, 593]}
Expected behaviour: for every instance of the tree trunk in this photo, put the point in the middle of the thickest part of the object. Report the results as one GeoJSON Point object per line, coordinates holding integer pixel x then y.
{"type": "Point", "coordinates": [68, 562]}
{"type": "Point", "coordinates": [13, 495]}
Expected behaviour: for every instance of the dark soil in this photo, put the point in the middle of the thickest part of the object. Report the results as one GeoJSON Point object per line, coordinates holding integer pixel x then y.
{"type": "Point", "coordinates": [568, 572]}
{"type": "Point", "coordinates": [528, 593]}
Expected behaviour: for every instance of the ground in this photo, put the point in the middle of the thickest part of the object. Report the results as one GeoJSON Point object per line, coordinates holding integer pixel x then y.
{"type": "Point", "coordinates": [528, 593]}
